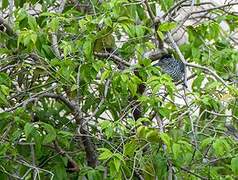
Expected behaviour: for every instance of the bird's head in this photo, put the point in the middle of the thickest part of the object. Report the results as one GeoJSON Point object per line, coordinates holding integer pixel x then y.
{"type": "Point", "coordinates": [164, 60]}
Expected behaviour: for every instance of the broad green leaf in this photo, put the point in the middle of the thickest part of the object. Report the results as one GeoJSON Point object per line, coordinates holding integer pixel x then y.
{"type": "Point", "coordinates": [166, 4]}
{"type": "Point", "coordinates": [3, 148]}
{"type": "Point", "coordinates": [165, 112]}
{"type": "Point", "coordinates": [130, 148]}
{"type": "Point", "coordinates": [166, 139]}
{"type": "Point", "coordinates": [153, 136]}
{"type": "Point", "coordinates": [51, 134]}
{"type": "Point", "coordinates": [220, 147]}
{"type": "Point", "coordinates": [105, 74]}
{"type": "Point", "coordinates": [87, 49]}
{"type": "Point", "coordinates": [105, 155]}
{"type": "Point", "coordinates": [32, 23]}
{"type": "Point", "coordinates": [5, 4]}
{"type": "Point", "coordinates": [167, 26]}
{"type": "Point", "coordinates": [176, 150]}
{"type": "Point", "coordinates": [141, 131]}
{"type": "Point", "coordinates": [132, 87]}
{"type": "Point", "coordinates": [160, 34]}
{"type": "Point", "coordinates": [198, 82]}
{"type": "Point", "coordinates": [5, 90]}
{"type": "Point", "coordinates": [54, 24]}
{"type": "Point", "coordinates": [234, 165]}
{"type": "Point", "coordinates": [28, 128]}
{"type": "Point", "coordinates": [117, 163]}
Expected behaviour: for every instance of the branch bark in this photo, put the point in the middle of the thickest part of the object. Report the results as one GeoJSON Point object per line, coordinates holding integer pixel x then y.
{"type": "Point", "coordinates": [7, 27]}
{"type": "Point", "coordinates": [214, 74]}
{"type": "Point", "coordinates": [90, 150]}
{"type": "Point", "coordinates": [72, 165]}
{"type": "Point", "coordinates": [116, 59]}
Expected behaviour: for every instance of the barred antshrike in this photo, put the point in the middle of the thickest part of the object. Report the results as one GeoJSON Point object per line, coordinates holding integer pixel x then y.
{"type": "Point", "coordinates": [172, 67]}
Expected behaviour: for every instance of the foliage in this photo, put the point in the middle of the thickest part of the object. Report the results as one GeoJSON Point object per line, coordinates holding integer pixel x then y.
{"type": "Point", "coordinates": [88, 112]}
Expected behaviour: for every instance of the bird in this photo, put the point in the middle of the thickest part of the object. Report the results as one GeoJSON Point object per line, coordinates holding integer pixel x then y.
{"type": "Point", "coordinates": [174, 68]}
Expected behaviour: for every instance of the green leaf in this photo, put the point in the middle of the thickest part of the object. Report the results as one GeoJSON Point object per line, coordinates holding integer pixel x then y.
{"type": "Point", "coordinates": [198, 82]}
{"type": "Point", "coordinates": [140, 30]}
{"type": "Point", "coordinates": [132, 87]}
{"type": "Point", "coordinates": [87, 49]}
{"type": "Point", "coordinates": [165, 112]}
{"type": "Point", "coordinates": [176, 150]}
{"type": "Point", "coordinates": [28, 128]}
{"type": "Point", "coordinates": [105, 75]}
{"type": "Point", "coordinates": [108, 21]}
{"type": "Point", "coordinates": [4, 148]}
{"type": "Point", "coordinates": [59, 171]}
{"type": "Point", "coordinates": [105, 155]}
{"type": "Point", "coordinates": [167, 26]}
{"type": "Point", "coordinates": [160, 34]}
{"type": "Point", "coordinates": [117, 163]}
{"type": "Point", "coordinates": [54, 24]}
{"type": "Point", "coordinates": [119, 156]}
{"type": "Point", "coordinates": [141, 131]}
{"type": "Point", "coordinates": [5, 90]}
{"type": "Point", "coordinates": [166, 139]}
{"type": "Point", "coordinates": [32, 23]}
{"type": "Point", "coordinates": [130, 148]}
{"type": "Point", "coordinates": [206, 142]}
{"type": "Point", "coordinates": [166, 4]}
{"type": "Point", "coordinates": [66, 134]}
{"type": "Point", "coordinates": [234, 165]}
{"type": "Point", "coordinates": [221, 147]}
{"type": "Point", "coordinates": [153, 136]}
{"type": "Point", "coordinates": [5, 4]}
{"type": "Point", "coordinates": [51, 134]}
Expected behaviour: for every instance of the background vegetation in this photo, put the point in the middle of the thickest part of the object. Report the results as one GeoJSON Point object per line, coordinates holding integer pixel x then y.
{"type": "Point", "coordinates": [80, 98]}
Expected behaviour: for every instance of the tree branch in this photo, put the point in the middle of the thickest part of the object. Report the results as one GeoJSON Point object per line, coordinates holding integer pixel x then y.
{"type": "Point", "coordinates": [73, 166]}
{"type": "Point", "coordinates": [86, 140]}
{"type": "Point", "coordinates": [7, 27]}
{"type": "Point", "coordinates": [207, 70]}
{"type": "Point", "coordinates": [156, 22]}
{"type": "Point", "coordinates": [116, 59]}
{"type": "Point", "coordinates": [55, 45]}
{"type": "Point", "coordinates": [190, 172]}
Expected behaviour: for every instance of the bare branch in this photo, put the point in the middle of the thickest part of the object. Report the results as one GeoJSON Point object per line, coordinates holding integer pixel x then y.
{"type": "Point", "coordinates": [10, 12]}
{"type": "Point", "coordinates": [156, 23]}
{"type": "Point", "coordinates": [215, 8]}
{"type": "Point", "coordinates": [99, 105]}
{"type": "Point", "coordinates": [190, 172]}
{"type": "Point", "coordinates": [116, 59]}
{"type": "Point", "coordinates": [173, 8]}
{"type": "Point", "coordinates": [207, 70]}
{"type": "Point", "coordinates": [73, 165]}
{"type": "Point", "coordinates": [7, 27]}
{"type": "Point", "coordinates": [55, 45]}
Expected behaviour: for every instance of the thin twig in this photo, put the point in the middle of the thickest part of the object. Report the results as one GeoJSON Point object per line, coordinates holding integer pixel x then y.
{"type": "Point", "coordinates": [173, 8]}
{"type": "Point", "coordinates": [116, 59]}
{"type": "Point", "coordinates": [207, 70]}
{"type": "Point", "coordinates": [55, 45]}
{"type": "Point", "coordinates": [156, 22]}
{"type": "Point", "coordinates": [7, 27]}
{"type": "Point", "coordinates": [33, 160]}
{"type": "Point", "coordinates": [33, 98]}
{"type": "Point", "coordinates": [99, 105]}
{"type": "Point", "coordinates": [10, 11]}
{"type": "Point", "coordinates": [70, 159]}
{"type": "Point", "coordinates": [190, 172]}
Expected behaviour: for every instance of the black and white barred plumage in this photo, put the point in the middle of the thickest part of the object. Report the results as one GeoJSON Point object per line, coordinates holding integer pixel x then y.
{"type": "Point", "coordinates": [172, 67]}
